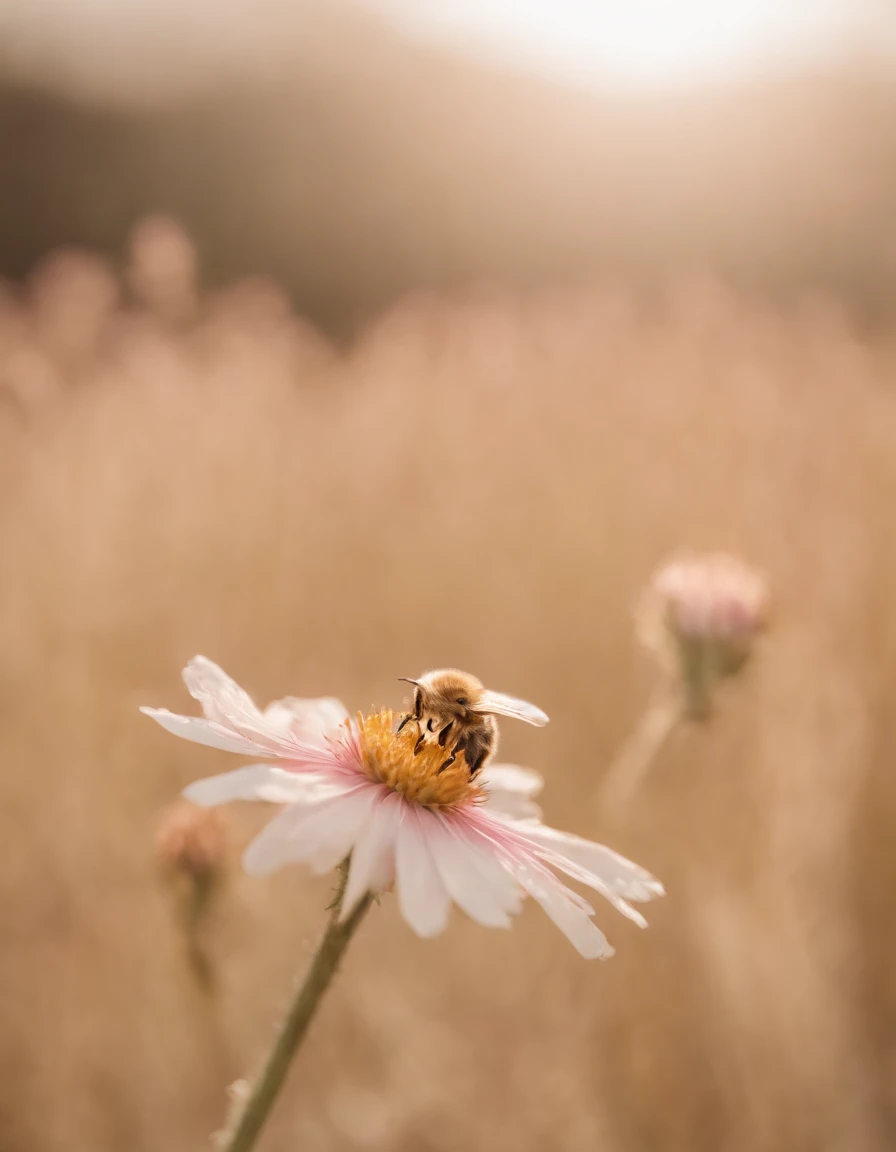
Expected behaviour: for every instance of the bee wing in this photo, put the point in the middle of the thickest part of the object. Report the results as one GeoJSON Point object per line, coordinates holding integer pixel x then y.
{"type": "Point", "coordinates": [497, 704]}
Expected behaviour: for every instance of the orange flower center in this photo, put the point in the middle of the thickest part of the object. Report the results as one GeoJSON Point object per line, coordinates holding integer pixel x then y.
{"type": "Point", "coordinates": [420, 777]}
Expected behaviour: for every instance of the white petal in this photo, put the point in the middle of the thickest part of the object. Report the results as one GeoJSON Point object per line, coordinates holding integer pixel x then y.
{"type": "Point", "coordinates": [220, 697]}
{"type": "Point", "coordinates": [330, 846]}
{"type": "Point", "coordinates": [422, 896]}
{"type": "Point", "coordinates": [511, 778]}
{"type": "Point", "coordinates": [306, 720]}
{"type": "Point", "coordinates": [588, 878]}
{"type": "Point", "coordinates": [561, 906]}
{"type": "Point", "coordinates": [224, 702]}
{"type": "Point", "coordinates": [254, 782]}
{"type": "Point", "coordinates": [499, 883]}
{"type": "Point", "coordinates": [373, 857]}
{"type": "Point", "coordinates": [306, 831]}
{"type": "Point", "coordinates": [283, 787]}
{"type": "Point", "coordinates": [509, 790]}
{"type": "Point", "coordinates": [204, 732]}
{"type": "Point", "coordinates": [621, 876]}
{"type": "Point", "coordinates": [270, 849]}
{"type": "Point", "coordinates": [461, 867]}
{"type": "Point", "coordinates": [513, 806]}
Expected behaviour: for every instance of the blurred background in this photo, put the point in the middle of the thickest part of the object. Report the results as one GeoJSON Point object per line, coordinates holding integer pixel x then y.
{"type": "Point", "coordinates": [343, 340]}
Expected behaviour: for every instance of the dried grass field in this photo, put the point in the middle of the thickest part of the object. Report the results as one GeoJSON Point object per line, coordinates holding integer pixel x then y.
{"type": "Point", "coordinates": [480, 481]}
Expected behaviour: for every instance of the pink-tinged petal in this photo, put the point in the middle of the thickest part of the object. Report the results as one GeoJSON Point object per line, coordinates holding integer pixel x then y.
{"type": "Point", "coordinates": [328, 823]}
{"type": "Point", "coordinates": [422, 897]}
{"type": "Point", "coordinates": [257, 782]}
{"type": "Point", "coordinates": [306, 720]}
{"type": "Point", "coordinates": [207, 732]}
{"type": "Point", "coordinates": [373, 857]}
{"type": "Point", "coordinates": [462, 866]}
{"type": "Point", "coordinates": [493, 876]}
{"type": "Point", "coordinates": [562, 907]}
{"type": "Point", "coordinates": [614, 873]}
{"type": "Point", "coordinates": [559, 850]}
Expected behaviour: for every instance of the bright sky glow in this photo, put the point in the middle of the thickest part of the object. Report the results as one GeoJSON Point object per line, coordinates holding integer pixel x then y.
{"type": "Point", "coordinates": [635, 42]}
{"type": "Point", "coordinates": [155, 48]}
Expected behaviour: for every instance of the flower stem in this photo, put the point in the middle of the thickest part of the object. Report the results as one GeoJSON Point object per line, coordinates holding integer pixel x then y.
{"type": "Point", "coordinates": [630, 767]}
{"type": "Point", "coordinates": [243, 1131]}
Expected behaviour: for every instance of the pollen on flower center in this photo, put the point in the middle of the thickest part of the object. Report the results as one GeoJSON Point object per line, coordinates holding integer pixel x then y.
{"type": "Point", "coordinates": [389, 759]}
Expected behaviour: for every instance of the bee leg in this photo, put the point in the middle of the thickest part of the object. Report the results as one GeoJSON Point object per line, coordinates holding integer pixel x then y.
{"type": "Point", "coordinates": [478, 761]}
{"type": "Point", "coordinates": [417, 715]}
{"type": "Point", "coordinates": [419, 743]}
{"type": "Point", "coordinates": [443, 740]}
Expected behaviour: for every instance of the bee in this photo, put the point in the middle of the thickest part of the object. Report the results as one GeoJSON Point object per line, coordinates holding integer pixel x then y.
{"type": "Point", "coordinates": [455, 710]}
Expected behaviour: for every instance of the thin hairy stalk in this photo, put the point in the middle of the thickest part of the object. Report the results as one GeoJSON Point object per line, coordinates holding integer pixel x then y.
{"type": "Point", "coordinates": [668, 709]}
{"type": "Point", "coordinates": [244, 1130]}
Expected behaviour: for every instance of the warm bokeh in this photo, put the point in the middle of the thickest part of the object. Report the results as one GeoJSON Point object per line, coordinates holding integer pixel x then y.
{"type": "Point", "coordinates": [314, 143]}
{"type": "Point", "coordinates": [478, 481]}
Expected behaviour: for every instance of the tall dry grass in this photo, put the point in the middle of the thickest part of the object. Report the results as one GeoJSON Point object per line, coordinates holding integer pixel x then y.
{"type": "Point", "coordinates": [481, 482]}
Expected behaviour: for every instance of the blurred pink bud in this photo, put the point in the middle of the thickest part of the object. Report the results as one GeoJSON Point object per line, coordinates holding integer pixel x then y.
{"type": "Point", "coordinates": [191, 840]}
{"type": "Point", "coordinates": [712, 597]}
{"type": "Point", "coordinates": [701, 614]}
{"type": "Point", "coordinates": [73, 296]}
{"type": "Point", "coordinates": [163, 269]}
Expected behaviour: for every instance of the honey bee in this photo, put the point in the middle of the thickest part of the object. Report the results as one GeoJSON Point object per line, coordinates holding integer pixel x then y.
{"type": "Point", "coordinates": [455, 710]}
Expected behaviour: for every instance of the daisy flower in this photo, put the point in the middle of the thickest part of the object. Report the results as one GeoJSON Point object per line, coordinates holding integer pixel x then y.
{"type": "Point", "coordinates": [354, 787]}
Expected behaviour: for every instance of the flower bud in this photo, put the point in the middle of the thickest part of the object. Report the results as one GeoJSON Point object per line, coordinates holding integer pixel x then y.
{"type": "Point", "coordinates": [163, 270]}
{"type": "Point", "coordinates": [701, 615]}
{"type": "Point", "coordinates": [190, 840]}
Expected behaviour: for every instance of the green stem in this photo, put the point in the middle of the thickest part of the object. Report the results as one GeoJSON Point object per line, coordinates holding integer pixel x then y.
{"type": "Point", "coordinates": [642, 748]}
{"type": "Point", "coordinates": [243, 1131]}
{"type": "Point", "coordinates": [196, 906]}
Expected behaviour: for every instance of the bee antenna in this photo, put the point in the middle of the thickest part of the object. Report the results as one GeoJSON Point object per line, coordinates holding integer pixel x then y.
{"type": "Point", "coordinates": [407, 679]}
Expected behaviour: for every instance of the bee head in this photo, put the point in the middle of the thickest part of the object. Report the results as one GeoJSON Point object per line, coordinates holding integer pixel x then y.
{"type": "Point", "coordinates": [449, 692]}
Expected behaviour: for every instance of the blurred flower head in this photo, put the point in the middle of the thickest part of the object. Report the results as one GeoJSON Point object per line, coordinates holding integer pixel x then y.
{"type": "Point", "coordinates": [73, 297]}
{"type": "Point", "coordinates": [191, 840]}
{"type": "Point", "coordinates": [163, 269]}
{"type": "Point", "coordinates": [355, 787]}
{"type": "Point", "coordinates": [701, 615]}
